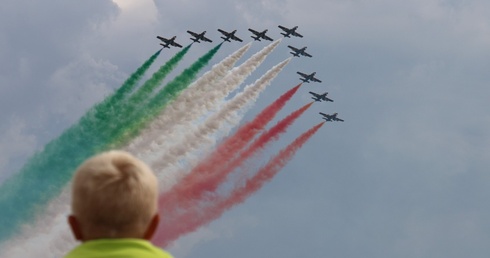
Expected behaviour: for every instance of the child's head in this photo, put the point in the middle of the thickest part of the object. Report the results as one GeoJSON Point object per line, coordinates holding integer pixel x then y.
{"type": "Point", "coordinates": [114, 195]}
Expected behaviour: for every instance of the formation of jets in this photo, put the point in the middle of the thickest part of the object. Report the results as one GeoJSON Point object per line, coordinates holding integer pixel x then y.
{"type": "Point", "coordinates": [229, 36]}
{"type": "Point", "coordinates": [258, 36]}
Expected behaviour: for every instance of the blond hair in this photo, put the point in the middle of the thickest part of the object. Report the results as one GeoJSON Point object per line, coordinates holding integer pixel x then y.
{"type": "Point", "coordinates": [114, 195]}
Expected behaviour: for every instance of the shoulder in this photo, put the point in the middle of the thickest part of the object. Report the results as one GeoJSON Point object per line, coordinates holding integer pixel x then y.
{"type": "Point", "coordinates": [158, 252]}
{"type": "Point", "coordinates": [114, 248]}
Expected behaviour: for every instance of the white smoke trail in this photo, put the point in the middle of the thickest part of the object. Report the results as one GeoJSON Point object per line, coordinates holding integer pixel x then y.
{"type": "Point", "coordinates": [202, 102]}
{"type": "Point", "coordinates": [50, 236]}
{"type": "Point", "coordinates": [188, 103]}
{"type": "Point", "coordinates": [200, 135]}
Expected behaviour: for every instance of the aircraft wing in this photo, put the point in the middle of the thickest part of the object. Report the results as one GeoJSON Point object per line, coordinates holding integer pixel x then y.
{"type": "Point", "coordinates": [302, 74]}
{"type": "Point", "coordinates": [206, 39]}
{"type": "Point", "coordinates": [193, 33]}
{"type": "Point", "coordinates": [327, 99]}
{"type": "Point", "coordinates": [338, 119]}
{"type": "Point", "coordinates": [175, 44]}
{"type": "Point", "coordinates": [297, 34]}
{"type": "Point", "coordinates": [293, 48]}
{"type": "Point", "coordinates": [254, 31]}
{"type": "Point", "coordinates": [236, 38]}
{"type": "Point", "coordinates": [223, 32]}
{"type": "Point", "coordinates": [306, 54]}
{"type": "Point", "coordinates": [315, 94]}
{"type": "Point", "coordinates": [315, 79]}
{"type": "Point", "coordinates": [282, 28]}
{"type": "Point", "coordinates": [267, 38]}
{"type": "Point", "coordinates": [162, 39]}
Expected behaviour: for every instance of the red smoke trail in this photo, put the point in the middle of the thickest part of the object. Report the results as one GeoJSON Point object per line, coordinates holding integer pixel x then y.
{"type": "Point", "coordinates": [187, 190]}
{"type": "Point", "coordinates": [267, 137]}
{"type": "Point", "coordinates": [182, 225]}
{"type": "Point", "coordinates": [212, 181]}
{"type": "Point", "coordinates": [186, 193]}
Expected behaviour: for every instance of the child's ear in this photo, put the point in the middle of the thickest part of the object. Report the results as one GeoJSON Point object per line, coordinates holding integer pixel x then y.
{"type": "Point", "coordinates": [152, 227]}
{"type": "Point", "coordinates": [75, 228]}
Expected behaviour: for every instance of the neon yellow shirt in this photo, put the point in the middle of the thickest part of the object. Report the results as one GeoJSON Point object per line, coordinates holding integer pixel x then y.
{"type": "Point", "coordinates": [112, 248]}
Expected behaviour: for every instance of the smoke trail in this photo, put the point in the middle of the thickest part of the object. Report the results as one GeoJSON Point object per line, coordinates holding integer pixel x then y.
{"type": "Point", "coordinates": [211, 99]}
{"type": "Point", "coordinates": [121, 113]}
{"type": "Point", "coordinates": [187, 105]}
{"type": "Point", "coordinates": [254, 149]}
{"type": "Point", "coordinates": [44, 174]}
{"type": "Point", "coordinates": [157, 103]}
{"type": "Point", "coordinates": [218, 172]}
{"type": "Point", "coordinates": [156, 79]}
{"type": "Point", "coordinates": [49, 236]}
{"type": "Point", "coordinates": [172, 228]}
{"type": "Point", "coordinates": [106, 118]}
{"type": "Point", "coordinates": [227, 114]}
{"type": "Point", "coordinates": [226, 151]}
{"type": "Point", "coordinates": [59, 243]}
{"type": "Point", "coordinates": [131, 82]}
{"type": "Point", "coordinates": [187, 194]}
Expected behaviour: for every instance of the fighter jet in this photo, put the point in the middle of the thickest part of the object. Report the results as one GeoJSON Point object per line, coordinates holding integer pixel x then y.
{"type": "Point", "coordinates": [259, 35]}
{"type": "Point", "coordinates": [199, 36]}
{"type": "Point", "coordinates": [308, 77]}
{"type": "Point", "coordinates": [229, 35]}
{"type": "Point", "coordinates": [299, 51]}
{"type": "Point", "coordinates": [289, 32]}
{"type": "Point", "coordinates": [168, 42]}
{"type": "Point", "coordinates": [320, 97]}
{"type": "Point", "coordinates": [331, 118]}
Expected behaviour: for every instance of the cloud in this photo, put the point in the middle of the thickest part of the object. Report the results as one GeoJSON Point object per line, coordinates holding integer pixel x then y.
{"type": "Point", "coordinates": [15, 144]}
{"type": "Point", "coordinates": [82, 83]}
{"type": "Point", "coordinates": [39, 42]}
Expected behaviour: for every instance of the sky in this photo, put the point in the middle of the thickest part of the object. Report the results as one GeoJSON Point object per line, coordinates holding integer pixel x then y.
{"type": "Point", "coordinates": [403, 176]}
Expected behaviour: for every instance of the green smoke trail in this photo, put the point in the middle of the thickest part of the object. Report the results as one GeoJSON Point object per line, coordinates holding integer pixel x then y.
{"type": "Point", "coordinates": [131, 82]}
{"type": "Point", "coordinates": [152, 108]}
{"type": "Point", "coordinates": [112, 119]}
{"type": "Point", "coordinates": [44, 175]}
{"type": "Point", "coordinates": [157, 78]}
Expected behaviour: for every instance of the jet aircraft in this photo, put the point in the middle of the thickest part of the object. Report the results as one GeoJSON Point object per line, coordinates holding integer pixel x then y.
{"type": "Point", "coordinates": [229, 35]}
{"type": "Point", "coordinates": [331, 118]}
{"type": "Point", "coordinates": [299, 51]}
{"type": "Point", "coordinates": [320, 97]}
{"type": "Point", "coordinates": [289, 32]}
{"type": "Point", "coordinates": [308, 77]}
{"type": "Point", "coordinates": [259, 35]}
{"type": "Point", "coordinates": [199, 36]}
{"type": "Point", "coordinates": [168, 42]}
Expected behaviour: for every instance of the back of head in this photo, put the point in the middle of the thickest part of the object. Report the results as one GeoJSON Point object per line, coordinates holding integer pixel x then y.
{"type": "Point", "coordinates": [114, 195]}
